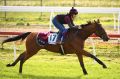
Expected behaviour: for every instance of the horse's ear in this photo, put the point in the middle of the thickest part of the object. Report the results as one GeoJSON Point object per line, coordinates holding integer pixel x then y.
{"type": "Point", "coordinates": [98, 21]}
{"type": "Point", "coordinates": [95, 21]}
{"type": "Point", "coordinates": [89, 22]}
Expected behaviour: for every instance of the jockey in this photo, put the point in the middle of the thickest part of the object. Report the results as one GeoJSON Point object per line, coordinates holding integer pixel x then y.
{"type": "Point", "coordinates": [61, 19]}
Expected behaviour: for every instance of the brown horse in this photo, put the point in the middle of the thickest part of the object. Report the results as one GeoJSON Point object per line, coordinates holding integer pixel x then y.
{"type": "Point", "coordinates": [73, 43]}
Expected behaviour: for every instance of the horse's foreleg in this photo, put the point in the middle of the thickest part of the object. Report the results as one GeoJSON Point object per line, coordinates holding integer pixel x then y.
{"type": "Point", "coordinates": [95, 58]}
{"type": "Point", "coordinates": [16, 61]}
{"type": "Point", "coordinates": [80, 57]}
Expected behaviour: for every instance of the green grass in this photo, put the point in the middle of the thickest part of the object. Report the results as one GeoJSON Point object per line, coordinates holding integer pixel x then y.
{"type": "Point", "coordinates": [78, 3]}
{"type": "Point", "coordinates": [60, 67]}
{"type": "Point", "coordinates": [49, 65]}
{"type": "Point", "coordinates": [13, 18]}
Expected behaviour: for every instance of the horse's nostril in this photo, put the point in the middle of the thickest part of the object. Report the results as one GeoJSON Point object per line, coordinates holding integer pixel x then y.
{"type": "Point", "coordinates": [107, 39]}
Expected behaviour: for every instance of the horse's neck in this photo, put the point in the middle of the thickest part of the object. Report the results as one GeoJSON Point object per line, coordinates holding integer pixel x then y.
{"type": "Point", "coordinates": [85, 34]}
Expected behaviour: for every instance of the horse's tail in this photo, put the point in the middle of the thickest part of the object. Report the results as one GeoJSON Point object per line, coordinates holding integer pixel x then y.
{"type": "Point", "coordinates": [22, 36]}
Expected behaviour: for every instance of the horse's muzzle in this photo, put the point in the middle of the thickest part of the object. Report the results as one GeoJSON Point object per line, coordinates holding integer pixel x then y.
{"type": "Point", "coordinates": [106, 39]}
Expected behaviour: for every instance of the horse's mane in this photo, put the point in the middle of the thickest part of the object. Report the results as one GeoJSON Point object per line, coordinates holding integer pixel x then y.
{"type": "Point", "coordinates": [84, 25]}
{"type": "Point", "coordinates": [81, 26]}
{"type": "Point", "coordinates": [72, 29]}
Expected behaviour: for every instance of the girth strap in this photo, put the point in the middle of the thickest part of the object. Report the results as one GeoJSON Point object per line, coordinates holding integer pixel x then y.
{"type": "Point", "coordinates": [63, 52]}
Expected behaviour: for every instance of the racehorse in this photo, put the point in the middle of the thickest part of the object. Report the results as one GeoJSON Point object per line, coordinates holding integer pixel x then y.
{"type": "Point", "coordinates": [73, 43]}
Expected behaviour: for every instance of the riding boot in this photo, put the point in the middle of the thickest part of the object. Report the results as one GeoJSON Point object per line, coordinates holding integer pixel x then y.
{"type": "Point", "coordinates": [59, 38]}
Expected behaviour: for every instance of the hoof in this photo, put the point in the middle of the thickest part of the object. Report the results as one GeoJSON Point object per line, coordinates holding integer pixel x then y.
{"type": "Point", "coordinates": [8, 65]}
{"type": "Point", "coordinates": [85, 73]}
{"type": "Point", "coordinates": [2, 48]}
{"type": "Point", "coordinates": [20, 73]}
{"type": "Point", "coordinates": [104, 66]}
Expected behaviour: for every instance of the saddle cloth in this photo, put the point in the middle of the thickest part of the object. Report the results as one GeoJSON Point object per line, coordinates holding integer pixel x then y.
{"type": "Point", "coordinates": [48, 38]}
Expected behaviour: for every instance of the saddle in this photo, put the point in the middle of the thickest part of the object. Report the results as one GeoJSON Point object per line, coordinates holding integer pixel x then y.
{"type": "Point", "coordinates": [49, 37]}
{"type": "Point", "coordinates": [46, 38]}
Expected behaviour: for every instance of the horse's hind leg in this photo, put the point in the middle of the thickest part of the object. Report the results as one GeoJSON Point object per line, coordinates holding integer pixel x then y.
{"type": "Point", "coordinates": [25, 57]}
{"type": "Point", "coordinates": [31, 49]}
{"type": "Point", "coordinates": [2, 47]}
{"type": "Point", "coordinates": [95, 58]}
{"type": "Point", "coordinates": [16, 61]}
{"type": "Point", "coordinates": [22, 60]}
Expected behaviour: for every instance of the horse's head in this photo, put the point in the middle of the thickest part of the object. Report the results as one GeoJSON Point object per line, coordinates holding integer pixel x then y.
{"type": "Point", "coordinates": [86, 30]}
{"type": "Point", "coordinates": [100, 31]}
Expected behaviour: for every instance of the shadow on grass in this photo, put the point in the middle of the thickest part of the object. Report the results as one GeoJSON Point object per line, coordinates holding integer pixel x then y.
{"type": "Point", "coordinates": [26, 76]}
{"type": "Point", "coordinates": [50, 77]}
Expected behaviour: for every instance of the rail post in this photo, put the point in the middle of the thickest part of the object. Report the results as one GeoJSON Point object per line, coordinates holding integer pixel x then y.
{"type": "Point", "coordinates": [51, 16]}
{"type": "Point", "coordinates": [93, 47]}
{"type": "Point", "coordinates": [14, 48]}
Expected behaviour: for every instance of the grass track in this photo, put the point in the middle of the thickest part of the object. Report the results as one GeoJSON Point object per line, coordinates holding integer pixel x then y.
{"type": "Point", "coordinates": [47, 65]}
